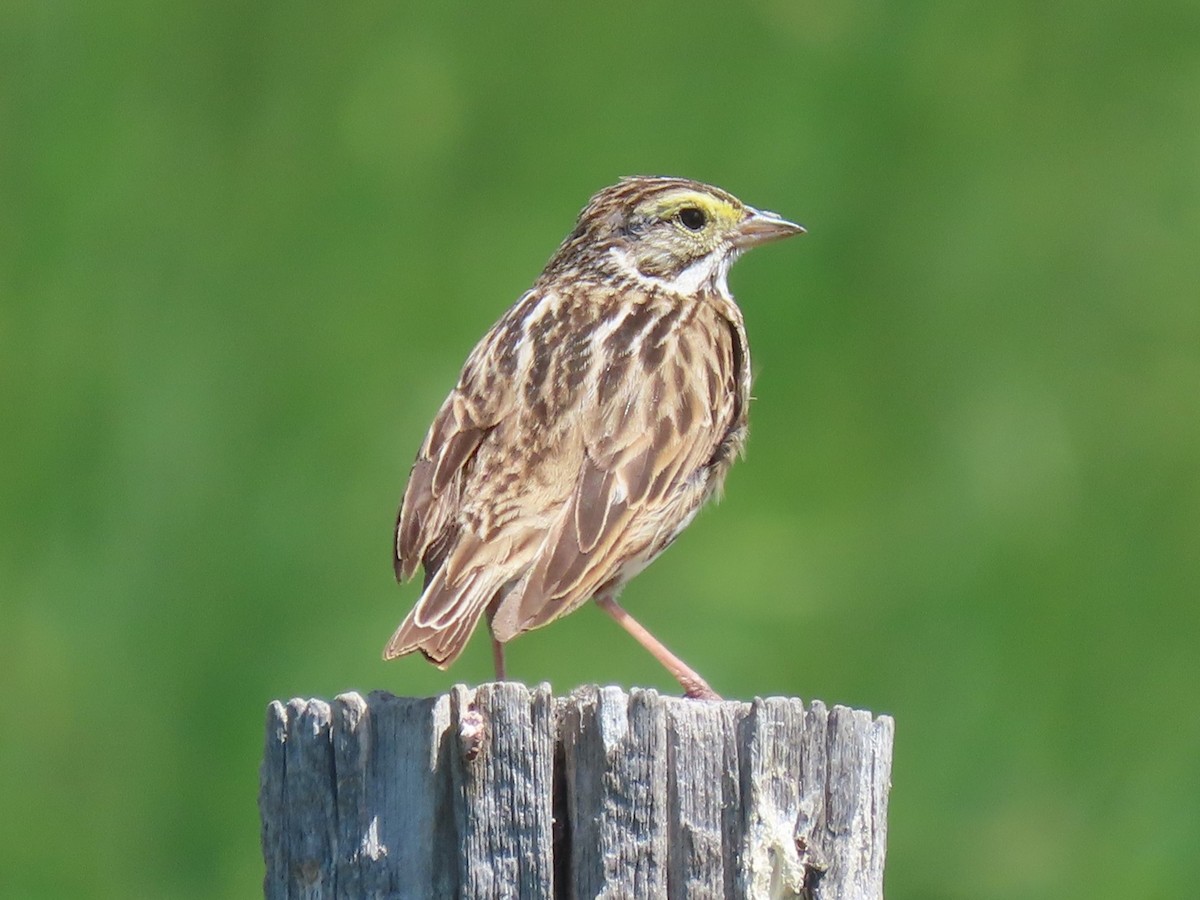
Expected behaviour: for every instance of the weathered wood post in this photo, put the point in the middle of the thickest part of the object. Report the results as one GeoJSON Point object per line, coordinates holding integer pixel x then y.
{"type": "Point", "coordinates": [506, 791]}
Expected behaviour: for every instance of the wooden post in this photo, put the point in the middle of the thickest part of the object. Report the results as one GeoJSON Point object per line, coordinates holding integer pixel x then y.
{"type": "Point", "coordinates": [508, 792]}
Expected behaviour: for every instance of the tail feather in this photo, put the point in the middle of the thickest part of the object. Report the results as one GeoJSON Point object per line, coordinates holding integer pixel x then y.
{"type": "Point", "coordinates": [443, 637]}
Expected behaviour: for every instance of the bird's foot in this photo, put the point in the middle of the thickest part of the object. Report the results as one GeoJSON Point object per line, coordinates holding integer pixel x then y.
{"type": "Point", "coordinates": [698, 689]}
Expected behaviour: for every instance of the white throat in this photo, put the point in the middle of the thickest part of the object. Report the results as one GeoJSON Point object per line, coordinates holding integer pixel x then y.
{"type": "Point", "coordinates": [708, 270]}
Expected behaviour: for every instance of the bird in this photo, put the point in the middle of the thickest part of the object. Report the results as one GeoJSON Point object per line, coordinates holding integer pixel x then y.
{"type": "Point", "coordinates": [587, 427]}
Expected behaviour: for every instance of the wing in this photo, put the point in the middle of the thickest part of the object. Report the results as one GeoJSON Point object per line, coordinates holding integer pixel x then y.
{"type": "Point", "coordinates": [658, 434]}
{"type": "Point", "coordinates": [427, 524]}
{"type": "Point", "coordinates": [467, 515]}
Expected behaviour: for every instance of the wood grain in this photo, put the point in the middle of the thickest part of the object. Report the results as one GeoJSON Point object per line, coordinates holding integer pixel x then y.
{"type": "Point", "coordinates": [504, 791]}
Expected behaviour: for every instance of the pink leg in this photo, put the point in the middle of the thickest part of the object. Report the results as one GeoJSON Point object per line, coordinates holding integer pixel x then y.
{"type": "Point", "coordinates": [498, 659]}
{"type": "Point", "coordinates": [497, 646]}
{"type": "Point", "coordinates": [693, 685]}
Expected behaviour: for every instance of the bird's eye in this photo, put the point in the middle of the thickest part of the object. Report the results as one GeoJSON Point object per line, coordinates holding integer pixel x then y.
{"type": "Point", "coordinates": [691, 218]}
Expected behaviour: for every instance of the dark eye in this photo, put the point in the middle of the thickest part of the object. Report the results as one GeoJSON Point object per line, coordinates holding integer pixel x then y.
{"type": "Point", "coordinates": [691, 218]}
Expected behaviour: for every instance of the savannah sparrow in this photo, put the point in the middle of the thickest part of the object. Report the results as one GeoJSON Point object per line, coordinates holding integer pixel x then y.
{"type": "Point", "coordinates": [588, 426]}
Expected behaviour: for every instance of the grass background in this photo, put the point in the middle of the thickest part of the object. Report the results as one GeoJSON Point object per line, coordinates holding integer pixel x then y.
{"type": "Point", "coordinates": [245, 248]}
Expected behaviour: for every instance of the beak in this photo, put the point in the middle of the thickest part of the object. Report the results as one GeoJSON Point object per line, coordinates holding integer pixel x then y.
{"type": "Point", "coordinates": [761, 227]}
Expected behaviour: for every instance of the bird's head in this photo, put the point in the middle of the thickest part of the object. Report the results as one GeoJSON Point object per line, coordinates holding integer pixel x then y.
{"type": "Point", "coordinates": [675, 233]}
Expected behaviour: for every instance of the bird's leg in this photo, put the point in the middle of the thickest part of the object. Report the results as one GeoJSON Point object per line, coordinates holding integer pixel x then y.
{"type": "Point", "coordinates": [497, 646]}
{"type": "Point", "coordinates": [693, 685]}
{"type": "Point", "coordinates": [498, 658]}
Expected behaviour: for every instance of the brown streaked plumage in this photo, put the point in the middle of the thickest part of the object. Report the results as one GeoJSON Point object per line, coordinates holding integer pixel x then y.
{"type": "Point", "coordinates": [588, 426]}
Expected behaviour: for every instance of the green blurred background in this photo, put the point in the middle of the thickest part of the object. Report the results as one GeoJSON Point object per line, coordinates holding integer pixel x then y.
{"type": "Point", "coordinates": [244, 249]}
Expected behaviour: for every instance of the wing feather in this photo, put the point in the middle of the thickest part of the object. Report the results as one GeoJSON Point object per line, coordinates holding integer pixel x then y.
{"type": "Point", "coordinates": [591, 519]}
{"type": "Point", "coordinates": [454, 453]}
{"type": "Point", "coordinates": [433, 499]}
